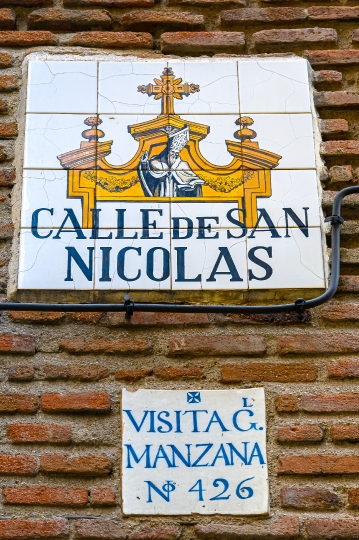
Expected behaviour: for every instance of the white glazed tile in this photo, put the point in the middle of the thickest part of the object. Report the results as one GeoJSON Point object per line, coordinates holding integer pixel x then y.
{"type": "Point", "coordinates": [295, 190]}
{"type": "Point", "coordinates": [289, 135]}
{"type": "Point", "coordinates": [169, 477]}
{"type": "Point", "coordinates": [292, 262]}
{"type": "Point", "coordinates": [218, 86]}
{"type": "Point", "coordinates": [134, 215]}
{"type": "Point", "coordinates": [116, 129]}
{"type": "Point", "coordinates": [145, 269]}
{"type": "Point", "coordinates": [274, 85]}
{"type": "Point", "coordinates": [47, 136]}
{"type": "Point", "coordinates": [194, 259]}
{"type": "Point", "coordinates": [47, 190]}
{"type": "Point", "coordinates": [213, 147]}
{"type": "Point", "coordinates": [205, 214]}
{"type": "Point", "coordinates": [62, 87]}
{"type": "Point", "coordinates": [43, 262]}
{"type": "Point", "coordinates": [118, 87]}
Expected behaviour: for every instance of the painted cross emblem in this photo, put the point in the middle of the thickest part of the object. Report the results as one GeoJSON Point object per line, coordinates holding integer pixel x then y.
{"type": "Point", "coordinates": [193, 397]}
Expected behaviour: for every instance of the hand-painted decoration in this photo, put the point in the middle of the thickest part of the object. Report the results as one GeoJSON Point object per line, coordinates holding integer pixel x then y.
{"type": "Point", "coordinates": [191, 174]}
{"type": "Point", "coordinates": [204, 456]}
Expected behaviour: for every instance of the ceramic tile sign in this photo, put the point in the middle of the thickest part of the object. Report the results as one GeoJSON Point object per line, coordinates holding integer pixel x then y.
{"type": "Point", "coordinates": [201, 452]}
{"type": "Point", "coordinates": [170, 175]}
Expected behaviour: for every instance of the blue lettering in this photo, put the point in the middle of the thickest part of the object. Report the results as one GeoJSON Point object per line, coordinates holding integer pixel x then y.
{"type": "Point", "coordinates": [251, 425]}
{"type": "Point", "coordinates": [216, 420]}
{"type": "Point", "coordinates": [74, 255]}
{"type": "Point", "coordinates": [207, 449]}
{"type": "Point", "coordinates": [233, 450]}
{"type": "Point", "coordinates": [221, 454]}
{"type": "Point", "coordinates": [256, 452]}
{"type": "Point", "coordinates": [161, 454]}
{"type": "Point", "coordinates": [176, 452]}
{"type": "Point", "coordinates": [35, 222]}
{"type": "Point", "coordinates": [168, 424]}
{"type": "Point", "coordinates": [131, 452]}
{"type": "Point", "coordinates": [134, 423]}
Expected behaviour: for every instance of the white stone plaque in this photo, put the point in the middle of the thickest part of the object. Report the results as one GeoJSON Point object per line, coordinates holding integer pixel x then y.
{"type": "Point", "coordinates": [202, 452]}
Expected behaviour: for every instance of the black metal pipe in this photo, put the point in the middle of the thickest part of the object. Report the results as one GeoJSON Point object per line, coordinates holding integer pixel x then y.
{"type": "Point", "coordinates": [129, 307]}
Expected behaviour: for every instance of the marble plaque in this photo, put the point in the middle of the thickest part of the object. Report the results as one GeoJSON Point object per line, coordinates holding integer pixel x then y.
{"type": "Point", "coordinates": [176, 174]}
{"type": "Point", "coordinates": [194, 452]}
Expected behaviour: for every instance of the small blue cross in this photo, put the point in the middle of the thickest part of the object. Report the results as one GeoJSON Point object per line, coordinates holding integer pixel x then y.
{"type": "Point", "coordinates": [193, 397]}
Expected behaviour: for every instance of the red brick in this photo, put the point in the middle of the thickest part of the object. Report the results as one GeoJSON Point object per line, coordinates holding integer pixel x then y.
{"type": "Point", "coordinates": [353, 497]}
{"type": "Point", "coordinates": [202, 42]}
{"type": "Point", "coordinates": [333, 13]}
{"type": "Point", "coordinates": [64, 19]}
{"type": "Point", "coordinates": [356, 36]}
{"type": "Point", "coordinates": [156, 319]}
{"type": "Point", "coordinates": [278, 528]}
{"type": "Point", "coordinates": [26, 38]}
{"type": "Point", "coordinates": [7, 177]}
{"type": "Point", "coordinates": [8, 83]}
{"type": "Point", "coordinates": [327, 76]}
{"type": "Point", "coordinates": [6, 231]}
{"type": "Point", "coordinates": [341, 173]}
{"type": "Point", "coordinates": [209, 3]}
{"type": "Point", "coordinates": [82, 465]}
{"type": "Point", "coordinates": [7, 19]}
{"type": "Point", "coordinates": [45, 495]}
{"type": "Point", "coordinates": [121, 40]}
{"type": "Point", "coordinates": [269, 372]}
{"type": "Point", "coordinates": [42, 317]}
{"type": "Point", "coordinates": [103, 496]}
{"type": "Point", "coordinates": [85, 373]}
{"type": "Point", "coordinates": [12, 464]}
{"type": "Point", "coordinates": [39, 433]}
{"type": "Point", "coordinates": [319, 343]}
{"type": "Point", "coordinates": [220, 345]}
{"type": "Point", "coordinates": [337, 126]}
{"type": "Point", "coordinates": [295, 35]}
{"type": "Point", "coordinates": [22, 529]}
{"type": "Point", "coordinates": [329, 402]}
{"type": "Point", "coordinates": [25, 403]}
{"type": "Point", "coordinates": [318, 464]}
{"type": "Point", "coordinates": [308, 498]}
{"type": "Point", "coordinates": [6, 59]}
{"type": "Point", "coordinates": [156, 533]}
{"type": "Point", "coordinates": [109, 3]}
{"type": "Point", "coordinates": [349, 284]}
{"type": "Point", "coordinates": [85, 317]}
{"type": "Point", "coordinates": [277, 319]}
{"type": "Point", "coordinates": [17, 344]}
{"type": "Point", "coordinates": [100, 529]}
{"type": "Point", "coordinates": [102, 345]}
{"type": "Point", "coordinates": [344, 369]}
{"type": "Point", "coordinates": [300, 433]}
{"type": "Point", "coordinates": [333, 57]}
{"type": "Point", "coordinates": [8, 130]}
{"type": "Point", "coordinates": [336, 99]}
{"type": "Point", "coordinates": [132, 374]}
{"type": "Point", "coordinates": [150, 21]}
{"type": "Point", "coordinates": [177, 372]}
{"type": "Point", "coordinates": [286, 403]}
{"type": "Point", "coordinates": [4, 107]}
{"type": "Point", "coordinates": [76, 402]}
{"type": "Point", "coordinates": [262, 15]}
{"type": "Point", "coordinates": [21, 373]}
{"type": "Point", "coordinates": [345, 432]}
{"type": "Point", "coordinates": [338, 528]}
{"type": "Point", "coordinates": [340, 148]}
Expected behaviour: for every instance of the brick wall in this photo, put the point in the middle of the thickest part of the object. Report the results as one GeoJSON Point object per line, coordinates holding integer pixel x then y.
{"type": "Point", "coordinates": [61, 374]}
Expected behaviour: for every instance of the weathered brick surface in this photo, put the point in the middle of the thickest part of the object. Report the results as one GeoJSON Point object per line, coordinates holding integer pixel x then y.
{"type": "Point", "coordinates": [326, 529]}
{"type": "Point", "coordinates": [300, 36]}
{"type": "Point", "coordinates": [6, 59]}
{"type": "Point", "coordinates": [116, 346]}
{"type": "Point", "coordinates": [8, 130]}
{"type": "Point", "coordinates": [7, 177]}
{"type": "Point", "coordinates": [236, 17]}
{"type": "Point", "coordinates": [21, 373]}
{"type": "Point", "coordinates": [333, 57]}
{"type": "Point", "coordinates": [11, 403]}
{"type": "Point", "coordinates": [63, 19]}
{"type": "Point", "coordinates": [267, 371]}
{"type": "Point", "coordinates": [109, 3]}
{"type": "Point", "coordinates": [83, 465]}
{"type": "Point", "coordinates": [286, 403]}
{"type": "Point", "coordinates": [341, 173]}
{"type": "Point", "coordinates": [177, 372]}
{"type": "Point", "coordinates": [122, 40]}
{"type": "Point", "coordinates": [39, 433]}
{"type": "Point", "coordinates": [86, 373]}
{"type": "Point", "coordinates": [318, 464]}
{"type": "Point", "coordinates": [329, 402]}
{"type": "Point", "coordinates": [97, 529]}
{"type": "Point", "coordinates": [76, 402]}
{"type": "Point", "coordinates": [319, 343]}
{"type": "Point", "coordinates": [7, 19]}
{"type": "Point", "coordinates": [334, 127]}
{"type": "Point", "coordinates": [353, 497]}
{"type": "Point", "coordinates": [300, 433]}
{"type": "Point", "coordinates": [26, 38]}
{"type": "Point", "coordinates": [343, 369]}
{"type": "Point", "coordinates": [157, 319]}
{"type": "Point", "coordinates": [308, 498]}
{"type": "Point", "coordinates": [18, 529]}
{"type": "Point", "coordinates": [103, 496]}
{"type": "Point", "coordinates": [327, 76]}
{"type": "Point", "coordinates": [18, 464]}
{"type": "Point", "coordinates": [333, 13]}
{"type": "Point", "coordinates": [132, 374]}
{"type": "Point", "coordinates": [44, 495]}
{"type": "Point", "coordinates": [162, 533]}
{"type": "Point", "coordinates": [40, 317]}
{"type": "Point", "coordinates": [217, 345]}
{"type": "Point", "coordinates": [336, 99]}
{"type": "Point", "coordinates": [197, 42]}
{"type": "Point", "coordinates": [345, 432]}
{"type": "Point", "coordinates": [283, 527]}
{"type": "Point", "coordinates": [148, 21]}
